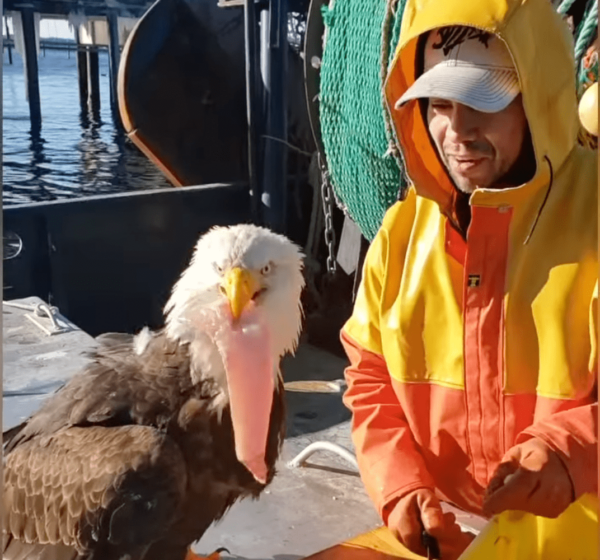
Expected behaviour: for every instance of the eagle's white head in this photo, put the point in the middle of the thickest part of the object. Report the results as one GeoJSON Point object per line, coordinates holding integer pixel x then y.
{"type": "Point", "coordinates": [238, 307]}
{"type": "Point", "coordinates": [242, 265]}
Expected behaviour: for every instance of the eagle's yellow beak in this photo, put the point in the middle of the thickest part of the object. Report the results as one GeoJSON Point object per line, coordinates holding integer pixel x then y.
{"type": "Point", "coordinates": [240, 286]}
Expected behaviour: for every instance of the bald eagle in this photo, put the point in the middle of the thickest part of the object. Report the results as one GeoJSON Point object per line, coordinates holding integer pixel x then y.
{"type": "Point", "coordinates": [139, 453]}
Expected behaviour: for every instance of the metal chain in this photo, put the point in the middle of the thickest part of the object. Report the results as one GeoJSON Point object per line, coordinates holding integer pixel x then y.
{"type": "Point", "coordinates": [328, 202]}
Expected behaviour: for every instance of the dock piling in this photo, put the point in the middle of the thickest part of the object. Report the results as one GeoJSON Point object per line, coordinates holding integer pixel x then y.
{"type": "Point", "coordinates": [31, 68]}
{"type": "Point", "coordinates": [114, 54]}
{"type": "Point", "coordinates": [93, 75]}
{"type": "Point", "coordinates": [82, 75]}
{"type": "Point", "coordinates": [8, 41]}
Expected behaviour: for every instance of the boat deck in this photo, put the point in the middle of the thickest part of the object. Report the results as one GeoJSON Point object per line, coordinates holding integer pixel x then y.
{"type": "Point", "coordinates": [305, 510]}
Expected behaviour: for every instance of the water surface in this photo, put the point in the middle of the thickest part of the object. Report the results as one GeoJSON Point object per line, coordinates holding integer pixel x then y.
{"type": "Point", "coordinates": [74, 154]}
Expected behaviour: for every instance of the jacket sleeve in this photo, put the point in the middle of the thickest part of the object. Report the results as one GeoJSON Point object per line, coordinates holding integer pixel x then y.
{"type": "Point", "coordinates": [573, 433]}
{"type": "Point", "coordinates": [389, 460]}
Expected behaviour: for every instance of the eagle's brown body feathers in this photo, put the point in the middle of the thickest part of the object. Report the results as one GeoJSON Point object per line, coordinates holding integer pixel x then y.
{"type": "Point", "coordinates": [129, 457]}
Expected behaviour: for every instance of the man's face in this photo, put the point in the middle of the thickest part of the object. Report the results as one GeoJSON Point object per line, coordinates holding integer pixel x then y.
{"type": "Point", "coordinates": [478, 149]}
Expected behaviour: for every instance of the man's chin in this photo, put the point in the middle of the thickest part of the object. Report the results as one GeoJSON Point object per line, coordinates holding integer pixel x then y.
{"type": "Point", "coordinates": [470, 184]}
{"type": "Point", "coordinates": [464, 185]}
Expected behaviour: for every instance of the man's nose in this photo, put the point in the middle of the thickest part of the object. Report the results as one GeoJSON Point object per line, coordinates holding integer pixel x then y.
{"type": "Point", "coordinates": [463, 123]}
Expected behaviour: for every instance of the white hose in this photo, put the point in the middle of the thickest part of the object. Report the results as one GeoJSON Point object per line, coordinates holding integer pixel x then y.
{"type": "Point", "coordinates": [340, 451]}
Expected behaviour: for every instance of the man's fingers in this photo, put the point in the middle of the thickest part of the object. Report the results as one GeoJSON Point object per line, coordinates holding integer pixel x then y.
{"type": "Point", "coordinates": [451, 540]}
{"type": "Point", "coordinates": [423, 512]}
{"type": "Point", "coordinates": [446, 531]}
{"type": "Point", "coordinates": [514, 494]}
{"type": "Point", "coordinates": [449, 519]}
{"type": "Point", "coordinates": [448, 528]}
{"type": "Point", "coordinates": [409, 529]}
{"type": "Point", "coordinates": [431, 514]}
{"type": "Point", "coordinates": [506, 468]}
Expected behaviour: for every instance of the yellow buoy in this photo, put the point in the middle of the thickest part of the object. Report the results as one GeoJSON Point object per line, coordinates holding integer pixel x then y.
{"type": "Point", "coordinates": [588, 109]}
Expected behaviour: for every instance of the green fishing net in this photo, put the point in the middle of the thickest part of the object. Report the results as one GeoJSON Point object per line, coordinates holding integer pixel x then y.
{"type": "Point", "coordinates": [365, 177]}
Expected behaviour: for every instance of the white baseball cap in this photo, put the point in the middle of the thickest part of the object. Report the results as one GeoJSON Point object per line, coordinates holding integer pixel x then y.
{"type": "Point", "coordinates": [468, 66]}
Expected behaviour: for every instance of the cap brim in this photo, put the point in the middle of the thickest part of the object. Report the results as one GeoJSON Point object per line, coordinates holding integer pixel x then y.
{"type": "Point", "coordinates": [484, 89]}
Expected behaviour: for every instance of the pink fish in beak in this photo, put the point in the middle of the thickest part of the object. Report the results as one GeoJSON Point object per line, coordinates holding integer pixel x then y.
{"type": "Point", "coordinates": [245, 347]}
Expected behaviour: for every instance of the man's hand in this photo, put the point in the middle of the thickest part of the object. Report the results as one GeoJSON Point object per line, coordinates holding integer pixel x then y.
{"type": "Point", "coordinates": [421, 510]}
{"type": "Point", "coordinates": [530, 478]}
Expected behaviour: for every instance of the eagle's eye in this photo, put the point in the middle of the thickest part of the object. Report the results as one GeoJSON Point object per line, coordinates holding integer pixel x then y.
{"type": "Point", "coordinates": [266, 269]}
{"type": "Point", "coordinates": [218, 268]}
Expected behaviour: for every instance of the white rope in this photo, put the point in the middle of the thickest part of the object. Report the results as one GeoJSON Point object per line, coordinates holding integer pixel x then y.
{"type": "Point", "coordinates": [340, 451]}
{"type": "Point", "coordinates": [40, 310]}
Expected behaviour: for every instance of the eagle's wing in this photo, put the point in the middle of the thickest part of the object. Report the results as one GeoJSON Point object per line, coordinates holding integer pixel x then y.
{"type": "Point", "coordinates": [83, 488]}
{"type": "Point", "coordinates": [95, 456]}
{"type": "Point", "coordinates": [117, 388]}
{"type": "Point", "coordinates": [112, 339]}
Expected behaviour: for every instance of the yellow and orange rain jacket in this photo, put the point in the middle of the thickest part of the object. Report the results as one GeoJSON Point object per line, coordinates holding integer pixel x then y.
{"type": "Point", "coordinates": [461, 348]}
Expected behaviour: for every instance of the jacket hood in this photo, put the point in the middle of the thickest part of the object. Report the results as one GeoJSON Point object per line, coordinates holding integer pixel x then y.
{"type": "Point", "coordinates": [541, 46]}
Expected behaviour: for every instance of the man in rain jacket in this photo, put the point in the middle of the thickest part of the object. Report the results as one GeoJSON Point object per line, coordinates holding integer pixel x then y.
{"type": "Point", "coordinates": [473, 340]}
